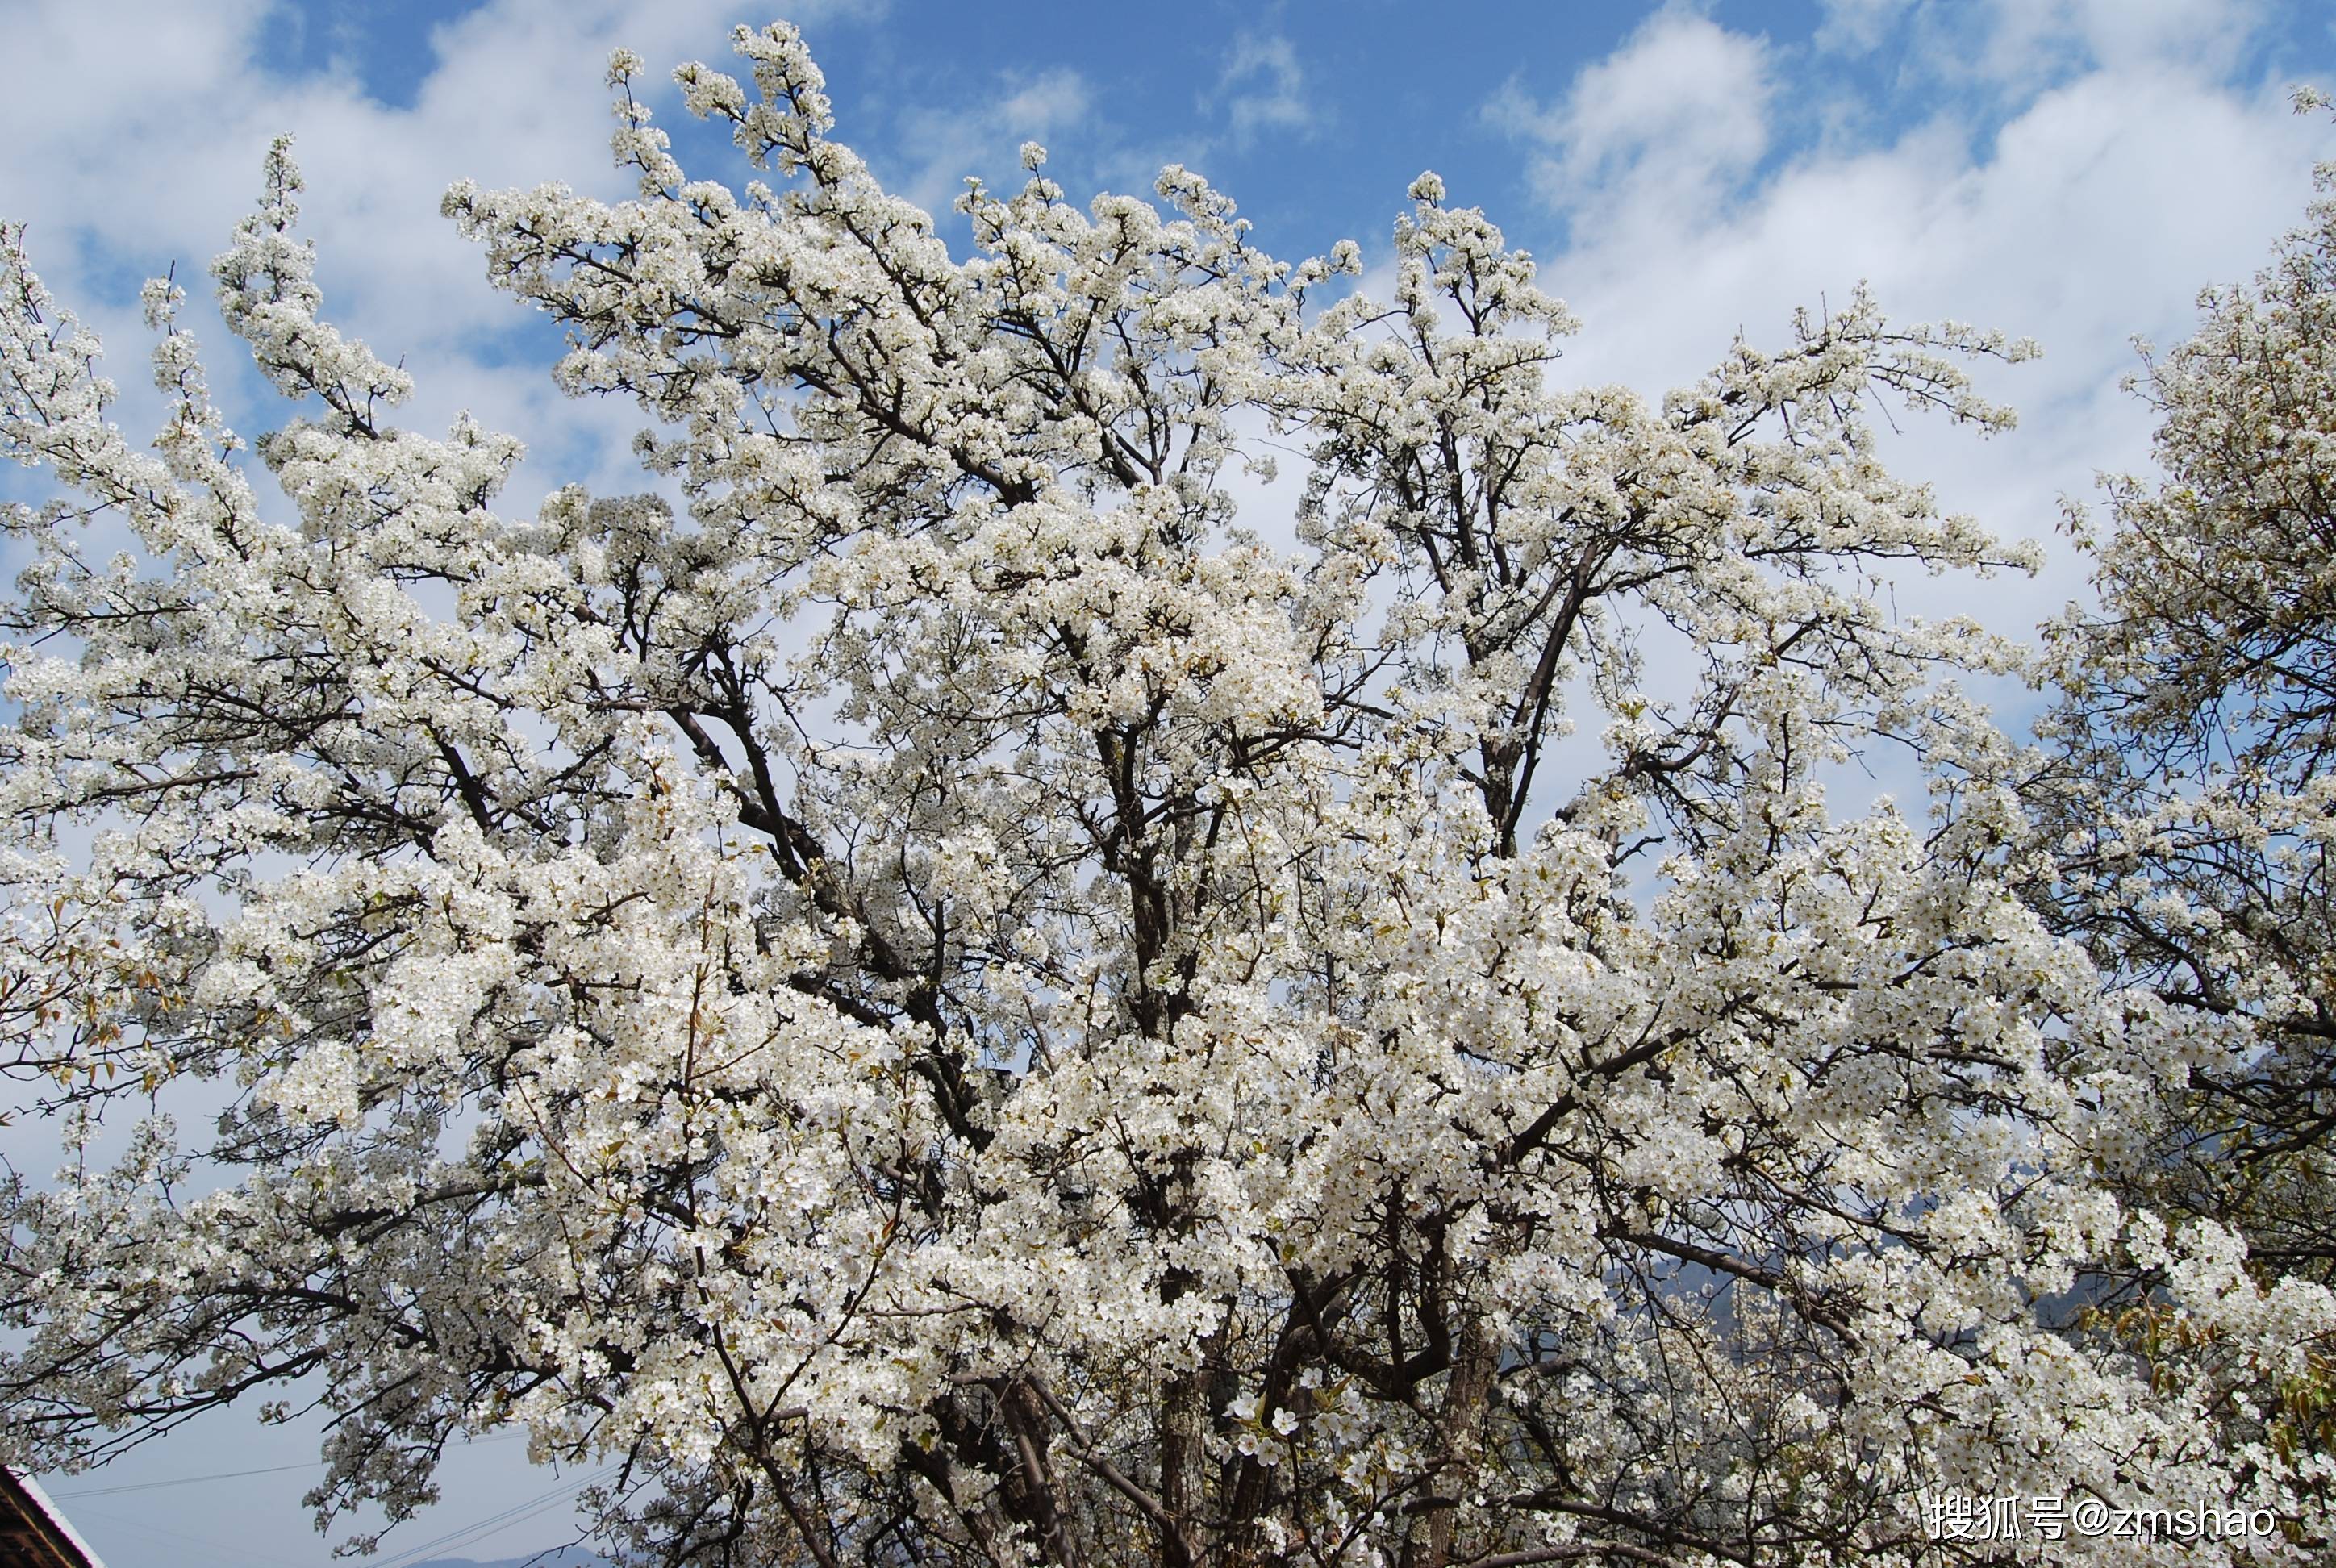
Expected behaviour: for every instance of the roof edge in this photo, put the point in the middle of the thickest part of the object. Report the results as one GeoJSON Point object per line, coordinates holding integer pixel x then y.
{"type": "Point", "coordinates": [56, 1517]}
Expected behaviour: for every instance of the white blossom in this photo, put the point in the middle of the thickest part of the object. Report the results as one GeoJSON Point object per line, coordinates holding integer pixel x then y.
{"type": "Point", "coordinates": [946, 1004]}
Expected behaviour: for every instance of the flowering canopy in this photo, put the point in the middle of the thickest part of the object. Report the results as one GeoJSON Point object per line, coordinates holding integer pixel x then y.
{"type": "Point", "coordinates": [2190, 795]}
{"type": "Point", "coordinates": [942, 999]}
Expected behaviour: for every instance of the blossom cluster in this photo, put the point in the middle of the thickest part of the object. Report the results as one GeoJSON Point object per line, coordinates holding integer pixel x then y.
{"type": "Point", "coordinates": [933, 993]}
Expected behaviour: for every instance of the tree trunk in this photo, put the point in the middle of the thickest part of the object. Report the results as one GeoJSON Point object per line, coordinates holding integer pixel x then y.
{"type": "Point", "coordinates": [1183, 1420]}
{"type": "Point", "coordinates": [1461, 1443]}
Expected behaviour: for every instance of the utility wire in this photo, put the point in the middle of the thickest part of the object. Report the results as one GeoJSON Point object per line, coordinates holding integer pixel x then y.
{"type": "Point", "coordinates": [239, 1556]}
{"type": "Point", "coordinates": [181, 1481]}
{"type": "Point", "coordinates": [233, 1475]}
{"type": "Point", "coordinates": [495, 1523]}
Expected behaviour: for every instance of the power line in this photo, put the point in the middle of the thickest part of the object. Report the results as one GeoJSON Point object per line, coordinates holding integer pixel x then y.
{"type": "Point", "coordinates": [217, 1551]}
{"type": "Point", "coordinates": [234, 1475]}
{"type": "Point", "coordinates": [181, 1481]}
{"type": "Point", "coordinates": [495, 1523]}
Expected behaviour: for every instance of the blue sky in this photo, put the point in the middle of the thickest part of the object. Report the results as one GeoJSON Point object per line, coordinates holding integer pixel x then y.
{"type": "Point", "coordinates": [1369, 92]}
{"type": "Point", "coordinates": [2070, 169]}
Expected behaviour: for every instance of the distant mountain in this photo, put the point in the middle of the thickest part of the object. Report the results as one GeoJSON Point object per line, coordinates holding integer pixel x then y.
{"type": "Point", "coordinates": [561, 1557]}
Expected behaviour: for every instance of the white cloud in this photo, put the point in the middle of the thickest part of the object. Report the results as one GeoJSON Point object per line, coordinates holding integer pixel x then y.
{"type": "Point", "coordinates": [1858, 26]}
{"type": "Point", "coordinates": [2093, 212]}
{"type": "Point", "coordinates": [2027, 41]}
{"type": "Point", "coordinates": [142, 157]}
{"type": "Point", "coordinates": [1668, 123]}
{"type": "Point", "coordinates": [1263, 89]}
{"type": "Point", "coordinates": [944, 143]}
